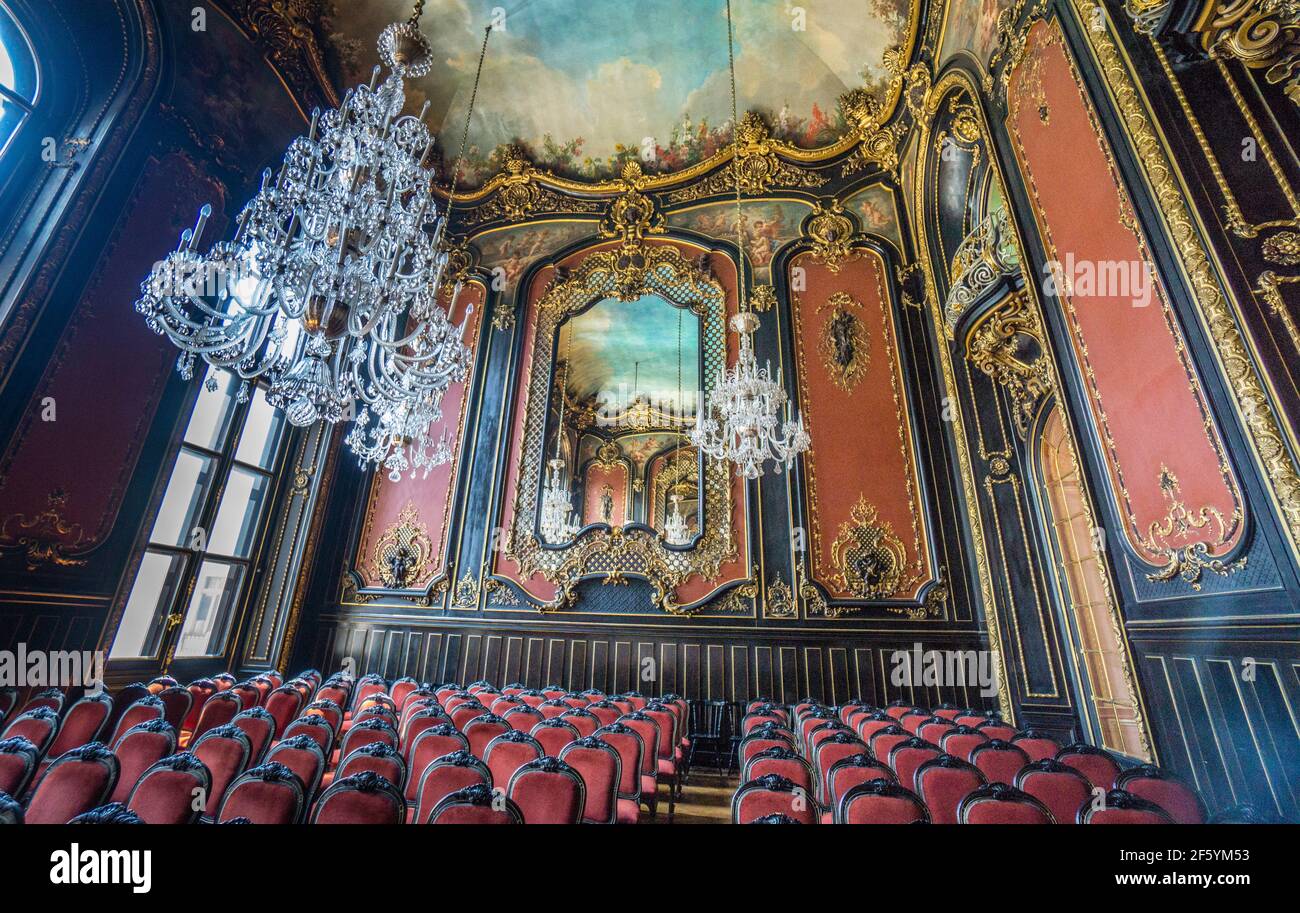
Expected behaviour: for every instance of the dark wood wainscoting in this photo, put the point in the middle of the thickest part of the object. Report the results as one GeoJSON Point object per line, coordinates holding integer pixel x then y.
{"type": "Point", "coordinates": [706, 663]}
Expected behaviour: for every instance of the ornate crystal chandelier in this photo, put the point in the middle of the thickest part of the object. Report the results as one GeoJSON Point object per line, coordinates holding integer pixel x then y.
{"type": "Point", "coordinates": [331, 290]}
{"type": "Point", "coordinates": [676, 530]}
{"type": "Point", "coordinates": [741, 421]}
{"type": "Point", "coordinates": [558, 523]}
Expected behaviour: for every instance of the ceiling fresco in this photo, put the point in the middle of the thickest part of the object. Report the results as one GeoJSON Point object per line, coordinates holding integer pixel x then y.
{"type": "Point", "coordinates": [972, 25]}
{"type": "Point", "coordinates": [765, 226]}
{"type": "Point", "coordinates": [581, 94]}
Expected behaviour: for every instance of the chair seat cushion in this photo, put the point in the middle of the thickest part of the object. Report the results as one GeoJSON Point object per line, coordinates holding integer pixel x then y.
{"type": "Point", "coordinates": [628, 811]}
{"type": "Point", "coordinates": [649, 783]}
{"type": "Point", "coordinates": [667, 768]}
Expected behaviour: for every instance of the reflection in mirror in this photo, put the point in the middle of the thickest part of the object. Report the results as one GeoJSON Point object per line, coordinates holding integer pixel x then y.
{"type": "Point", "coordinates": [617, 445]}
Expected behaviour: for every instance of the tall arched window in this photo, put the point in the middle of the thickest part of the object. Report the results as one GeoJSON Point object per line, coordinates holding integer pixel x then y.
{"type": "Point", "coordinates": [18, 78]}
{"type": "Point", "coordinates": [1098, 646]}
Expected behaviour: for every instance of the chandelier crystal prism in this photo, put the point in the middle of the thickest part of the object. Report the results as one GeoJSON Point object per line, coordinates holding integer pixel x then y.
{"type": "Point", "coordinates": [677, 530]}
{"type": "Point", "coordinates": [557, 522]}
{"type": "Point", "coordinates": [334, 290]}
{"type": "Point", "coordinates": [742, 417]}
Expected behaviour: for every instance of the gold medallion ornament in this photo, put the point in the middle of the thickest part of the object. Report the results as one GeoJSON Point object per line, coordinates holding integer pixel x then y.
{"type": "Point", "coordinates": [868, 557]}
{"type": "Point", "coordinates": [402, 554]}
{"type": "Point", "coordinates": [845, 346]}
{"type": "Point", "coordinates": [780, 600]}
{"type": "Point", "coordinates": [1171, 537]}
{"type": "Point", "coordinates": [831, 232]}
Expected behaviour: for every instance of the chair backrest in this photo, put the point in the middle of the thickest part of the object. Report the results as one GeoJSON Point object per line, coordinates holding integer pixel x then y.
{"type": "Point", "coordinates": [177, 702]}
{"type": "Point", "coordinates": [554, 735]}
{"type": "Point", "coordinates": [218, 710]}
{"type": "Point", "coordinates": [377, 757]}
{"type": "Point", "coordinates": [504, 704]}
{"type": "Point", "coordinates": [552, 707]}
{"type": "Point", "coordinates": [38, 726]}
{"type": "Point", "coordinates": [200, 690]}
{"type": "Point", "coordinates": [605, 711]}
{"type": "Point", "coordinates": [510, 751]}
{"type": "Point", "coordinates": [48, 699]}
{"type": "Point", "coordinates": [78, 781]}
{"type": "Point", "coordinates": [248, 693]}
{"type": "Point", "coordinates": [448, 774]}
{"type": "Point", "coordinates": [948, 711]}
{"type": "Point", "coordinates": [401, 688]}
{"type": "Point", "coordinates": [548, 791]}
{"type": "Point", "coordinates": [141, 711]}
{"type": "Point", "coordinates": [784, 762]}
{"type": "Point", "coordinates": [880, 802]}
{"type": "Point", "coordinates": [649, 731]}
{"type": "Point", "coordinates": [996, 729]}
{"type": "Point", "coordinates": [269, 794]}
{"type": "Point", "coordinates": [364, 798]}
{"type": "Point", "coordinates": [882, 741]}
{"type": "Point", "coordinates": [366, 686]}
{"type": "Point", "coordinates": [706, 720]}
{"type": "Point", "coordinates": [165, 793]}
{"type": "Point", "coordinates": [1121, 807]}
{"type": "Point", "coordinates": [912, 720]}
{"type": "Point", "coordinates": [668, 728]}
{"type": "Point", "coordinates": [963, 740]}
{"type": "Point", "coordinates": [533, 697]}
{"type": "Point", "coordinates": [284, 704]}
{"type": "Point", "coordinates": [869, 724]}
{"type": "Point", "coordinates": [601, 769]}
{"type": "Point", "coordinates": [943, 782]}
{"type": "Point", "coordinates": [464, 714]}
{"type": "Point", "coordinates": [907, 756]}
{"type": "Point", "coordinates": [225, 681]}
{"type": "Point", "coordinates": [999, 761]}
{"type": "Point", "coordinates": [316, 728]}
{"type": "Point", "coordinates": [899, 709]}
{"type": "Point", "coordinates": [1036, 744]}
{"type": "Point", "coordinates": [523, 718]}
{"type": "Point", "coordinates": [124, 698]}
{"type": "Point", "coordinates": [363, 732]}
{"type": "Point", "coordinates": [476, 804]}
{"type": "Point", "coordinates": [1097, 764]}
{"type": "Point", "coordinates": [112, 813]}
{"type": "Point", "coordinates": [225, 751]}
{"type": "Point", "coordinates": [772, 795]}
{"type": "Point", "coordinates": [303, 755]}
{"type": "Point", "coordinates": [935, 728]}
{"type": "Point", "coordinates": [84, 722]}
{"type": "Point", "coordinates": [581, 719]}
{"type": "Point", "coordinates": [481, 730]}
{"type": "Point", "coordinates": [260, 727]}
{"type": "Point", "coordinates": [377, 712]}
{"type": "Point", "coordinates": [849, 772]}
{"type": "Point", "coordinates": [831, 751]}
{"type": "Point", "coordinates": [627, 742]}
{"type": "Point", "coordinates": [999, 803]}
{"type": "Point", "coordinates": [18, 759]}
{"type": "Point", "coordinates": [761, 739]}
{"type": "Point", "coordinates": [426, 747]}
{"type": "Point", "coordinates": [1180, 801]}
{"type": "Point", "coordinates": [139, 749]}
{"type": "Point", "coordinates": [1062, 789]}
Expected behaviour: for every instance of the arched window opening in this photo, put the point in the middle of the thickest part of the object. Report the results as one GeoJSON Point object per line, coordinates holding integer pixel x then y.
{"type": "Point", "coordinates": [18, 78]}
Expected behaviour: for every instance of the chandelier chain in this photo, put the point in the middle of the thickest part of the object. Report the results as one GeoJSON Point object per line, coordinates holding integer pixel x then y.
{"type": "Point", "coordinates": [742, 297]}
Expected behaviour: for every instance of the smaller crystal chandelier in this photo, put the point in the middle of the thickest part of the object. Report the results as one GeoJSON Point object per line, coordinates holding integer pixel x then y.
{"type": "Point", "coordinates": [676, 530]}
{"type": "Point", "coordinates": [558, 523]}
{"type": "Point", "coordinates": [401, 438]}
{"type": "Point", "coordinates": [741, 417]}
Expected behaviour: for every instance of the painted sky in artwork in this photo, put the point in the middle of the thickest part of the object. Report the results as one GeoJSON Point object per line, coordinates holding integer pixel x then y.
{"type": "Point", "coordinates": [581, 85]}
{"type": "Point", "coordinates": [972, 25]}
{"type": "Point", "coordinates": [605, 343]}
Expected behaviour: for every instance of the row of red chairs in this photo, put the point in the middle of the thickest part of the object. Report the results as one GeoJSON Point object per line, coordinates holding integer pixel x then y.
{"type": "Point", "coordinates": [556, 756]}
{"type": "Point", "coordinates": [901, 764]}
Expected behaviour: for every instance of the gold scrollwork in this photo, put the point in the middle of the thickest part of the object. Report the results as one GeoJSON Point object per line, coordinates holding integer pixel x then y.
{"type": "Point", "coordinates": [466, 595]}
{"type": "Point", "coordinates": [401, 556]}
{"type": "Point", "coordinates": [869, 559]}
{"type": "Point", "coordinates": [1262, 34]}
{"type": "Point", "coordinates": [762, 298]}
{"type": "Point", "coordinates": [877, 141]}
{"type": "Point", "coordinates": [831, 233]}
{"type": "Point", "coordinates": [1007, 345]}
{"type": "Point", "coordinates": [1169, 537]}
{"type": "Point", "coordinates": [780, 600]}
{"type": "Point", "coordinates": [519, 194]}
{"type": "Point", "coordinates": [755, 165]}
{"type": "Point", "coordinates": [47, 538]}
{"type": "Point", "coordinates": [844, 345]}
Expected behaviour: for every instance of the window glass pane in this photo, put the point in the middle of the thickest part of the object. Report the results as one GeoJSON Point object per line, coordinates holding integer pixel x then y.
{"type": "Point", "coordinates": [10, 117]}
{"type": "Point", "coordinates": [151, 600]}
{"type": "Point", "coordinates": [237, 517]}
{"type": "Point", "coordinates": [263, 429]}
{"type": "Point", "coordinates": [211, 609]}
{"type": "Point", "coordinates": [17, 66]}
{"type": "Point", "coordinates": [186, 492]}
{"type": "Point", "coordinates": [211, 417]}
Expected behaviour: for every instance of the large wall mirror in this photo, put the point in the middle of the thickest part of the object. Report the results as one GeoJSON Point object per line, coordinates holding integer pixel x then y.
{"type": "Point", "coordinates": [622, 405]}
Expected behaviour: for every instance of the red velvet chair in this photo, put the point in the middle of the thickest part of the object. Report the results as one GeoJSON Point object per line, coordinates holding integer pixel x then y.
{"type": "Point", "coordinates": [158, 684]}
{"type": "Point", "coordinates": [943, 782]}
{"type": "Point", "coordinates": [669, 749]}
{"type": "Point", "coordinates": [424, 718]}
{"type": "Point", "coordinates": [316, 728]}
{"type": "Point", "coordinates": [510, 751]}
{"type": "Point", "coordinates": [1176, 798]}
{"type": "Point", "coordinates": [962, 741]}
{"type": "Point", "coordinates": [364, 798]}
{"type": "Point", "coordinates": [8, 701]}
{"type": "Point", "coordinates": [548, 791]}
{"type": "Point", "coordinates": [764, 737]}
{"type": "Point", "coordinates": [200, 690]}
{"type": "Point", "coordinates": [847, 773]}
{"type": "Point", "coordinates": [1036, 744]}
{"type": "Point", "coordinates": [446, 690]}
{"type": "Point", "coordinates": [605, 712]}
{"type": "Point", "coordinates": [1097, 764]}
{"type": "Point", "coordinates": [821, 733]}
{"type": "Point", "coordinates": [38, 726]}
{"type": "Point", "coordinates": [464, 714]}
{"type": "Point", "coordinates": [973, 718]}
{"type": "Point", "coordinates": [999, 761]}
{"type": "Point", "coordinates": [882, 741]}
{"type": "Point", "coordinates": [523, 718]}
{"type": "Point", "coordinates": [364, 732]}
{"type": "Point", "coordinates": [935, 728]}
{"type": "Point", "coordinates": [912, 720]}
{"type": "Point", "coordinates": [225, 752]}
{"type": "Point", "coordinates": [773, 795]}
{"type": "Point", "coordinates": [302, 754]}
{"type": "Point", "coordinates": [601, 769]}
{"type": "Point", "coordinates": [999, 803]}
{"type": "Point", "coordinates": [552, 707]}
{"type": "Point", "coordinates": [996, 729]}
{"type": "Point", "coordinates": [907, 756]}
{"type": "Point", "coordinates": [899, 709]}
{"type": "Point", "coordinates": [124, 698]}
{"type": "Point", "coordinates": [335, 692]}
{"type": "Point", "coordinates": [1120, 807]}
{"type": "Point", "coordinates": [376, 757]}
{"type": "Point", "coordinates": [483, 729]}
{"type": "Point", "coordinates": [554, 690]}
{"type": "Point", "coordinates": [401, 688]}
{"type": "Point", "coordinates": [631, 749]}
{"type": "Point", "coordinates": [504, 704]}
{"type": "Point", "coordinates": [1062, 789]}
{"type": "Point", "coordinates": [868, 725]}
{"type": "Point", "coordinates": [11, 810]}
{"type": "Point", "coordinates": [851, 708]}
{"type": "Point", "coordinates": [427, 747]}
{"type": "Point", "coordinates": [165, 793]}
{"type": "Point", "coordinates": [831, 751]}
{"type": "Point", "coordinates": [375, 711]}
{"type": "Point", "coordinates": [46, 699]}
{"type": "Point", "coordinates": [284, 704]}
{"type": "Point", "coordinates": [636, 699]}
{"type": "Point", "coordinates": [225, 681]}
{"type": "Point", "coordinates": [78, 781]}
{"type": "Point", "coordinates": [218, 710]}
{"type": "Point", "coordinates": [177, 702]}
{"type": "Point", "coordinates": [648, 730]}
{"type": "Point", "coordinates": [140, 748]}
{"type": "Point", "coordinates": [446, 775]}
{"type": "Point", "coordinates": [269, 794]}
{"type": "Point", "coordinates": [248, 694]}
{"type": "Point", "coordinates": [533, 697]}
{"type": "Point", "coordinates": [809, 721]}
{"type": "Point", "coordinates": [475, 805]}
{"type": "Point", "coordinates": [18, 759]}
{"type": "Point", "coordinates": [554, 734]}
{"type": "Point", "coordinates": [948, 712]}
{"type": "Point", "coordinates": [785, 763]}
{"type": "Point", "coordinates": [757, 718]}
{"type": "Point", "coordinates": [83, 723]}
{"type": "Point", "coordinates": [366, 686]}
{"type": "Point", "coordinates": [260, 727]}
{"type": "Point", "coordinates": [582, 720]}
{"type": "Point", "coordinates": [881, 802]}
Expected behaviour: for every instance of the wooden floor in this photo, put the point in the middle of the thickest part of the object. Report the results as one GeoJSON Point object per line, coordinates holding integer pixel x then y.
{"type": "Point", "coordinates": [706, 799]}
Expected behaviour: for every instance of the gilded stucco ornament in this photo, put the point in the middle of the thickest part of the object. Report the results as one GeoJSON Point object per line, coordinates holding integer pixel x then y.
{"type": "Point", "coordinates": [866, 118]}
{"type": "Point", "coordinates": [401, 556]}
{"type": "Point", "coordinates": [869, 559]}
{"type": "Point", "coordinates": [48, 538]}
{"type": "Point", "coordinates": [1170, 537]}
{"type": "Point", "coordinates": [831, 232]}
{"type": "Point", "coordinates": [756, 166]}
{"type": "Point", "coordinates": [844, 345]}
{"type": "Point", "coordinates": [780, 600]}
{"type": "Point", "coordinates": [519, 194]}
{"type": "Point", "coordinates": [1007, 345]}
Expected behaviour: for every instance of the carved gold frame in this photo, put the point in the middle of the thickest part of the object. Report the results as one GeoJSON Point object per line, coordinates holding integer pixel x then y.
{"type": "Point", "coordinates": [627, 271]}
